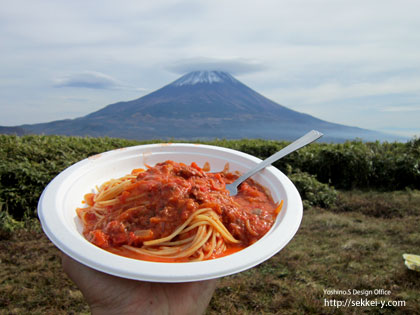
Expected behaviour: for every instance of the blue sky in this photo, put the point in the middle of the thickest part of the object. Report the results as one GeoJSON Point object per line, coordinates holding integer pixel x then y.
{"type": "Point", "coordinates": [350, 62]}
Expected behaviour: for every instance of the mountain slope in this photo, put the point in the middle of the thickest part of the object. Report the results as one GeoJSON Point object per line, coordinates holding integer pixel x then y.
{"type": "Point", "coordinates": [200, 105]}
{"type": "Point", "coordinates": [188, 97]}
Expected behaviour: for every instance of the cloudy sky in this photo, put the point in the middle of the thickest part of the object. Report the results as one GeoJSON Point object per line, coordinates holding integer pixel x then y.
{"type": "Point", "coordinates": [350, 62]}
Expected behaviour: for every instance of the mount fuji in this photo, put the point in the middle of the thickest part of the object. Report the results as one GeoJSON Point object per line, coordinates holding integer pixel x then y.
{"type": "Point", "coordinates": [201, 105]}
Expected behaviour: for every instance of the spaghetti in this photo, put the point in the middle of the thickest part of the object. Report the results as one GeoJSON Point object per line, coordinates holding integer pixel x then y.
{"type": "Point", "coordinates": [173, 212]}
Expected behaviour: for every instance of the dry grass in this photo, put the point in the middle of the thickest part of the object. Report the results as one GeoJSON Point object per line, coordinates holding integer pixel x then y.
{"type": "Point", "coordinates": [355, 246]}
{"type": "Point", "coordinates": [31, 278]}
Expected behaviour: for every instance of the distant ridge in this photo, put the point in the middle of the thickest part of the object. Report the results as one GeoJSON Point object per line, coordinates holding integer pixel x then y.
{"type": "Point", "coordinates": [202, 105]}
{"type": "Point", "coordinates": [19, 131]}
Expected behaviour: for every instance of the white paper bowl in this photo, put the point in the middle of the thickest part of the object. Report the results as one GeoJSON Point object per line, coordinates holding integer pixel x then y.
{"type": "Point", "coordinates": [58, 203]}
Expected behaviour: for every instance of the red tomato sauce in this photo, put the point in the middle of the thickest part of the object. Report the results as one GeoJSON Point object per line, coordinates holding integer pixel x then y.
{"type": "Point", "coordinates": [161, 198]}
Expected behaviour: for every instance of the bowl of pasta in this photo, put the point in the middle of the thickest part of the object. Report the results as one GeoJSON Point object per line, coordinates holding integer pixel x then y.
{"type": "Point", "coordinates": [161, 212]}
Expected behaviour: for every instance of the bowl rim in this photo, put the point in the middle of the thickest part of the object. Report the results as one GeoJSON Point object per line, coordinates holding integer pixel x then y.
{"type": "Point", "coordinates": [72, 243]}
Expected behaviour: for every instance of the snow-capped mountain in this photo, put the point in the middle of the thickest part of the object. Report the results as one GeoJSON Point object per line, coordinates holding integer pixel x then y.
{"type": "Point", "coordinates": [201, 105]}
{"type": "Point", "coordinates": [197, 77]}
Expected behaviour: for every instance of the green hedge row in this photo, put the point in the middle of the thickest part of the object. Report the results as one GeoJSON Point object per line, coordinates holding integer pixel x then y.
{"type": "Point", "coordinates": [28, 163]}
{"type": "Point", "coordinates": [349, 165]}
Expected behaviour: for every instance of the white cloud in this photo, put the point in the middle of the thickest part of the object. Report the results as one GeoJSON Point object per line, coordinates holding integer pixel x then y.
{"type": "Point", "coordinates": [403, 108]}
{"type": "Point", "coordinates": [91, 80]}
{"type": "Point", "coordinates": [234, 66]}
{"type": "Point", "coordinates": [87, 79]}
{"type": "Point", "coordinates": [332, 91]}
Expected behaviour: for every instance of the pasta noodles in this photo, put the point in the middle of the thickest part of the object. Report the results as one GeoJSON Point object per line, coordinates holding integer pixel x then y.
{"type": "Point", "coordinates": [173, 212]}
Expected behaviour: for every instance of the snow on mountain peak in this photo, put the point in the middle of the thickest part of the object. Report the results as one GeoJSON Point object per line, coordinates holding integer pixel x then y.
{"type": "Point", "coordinates": [204, 76]}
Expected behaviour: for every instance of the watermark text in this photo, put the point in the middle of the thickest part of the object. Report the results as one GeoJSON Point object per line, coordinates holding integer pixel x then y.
{"type": "Point", "coordinates": [360, 298]}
